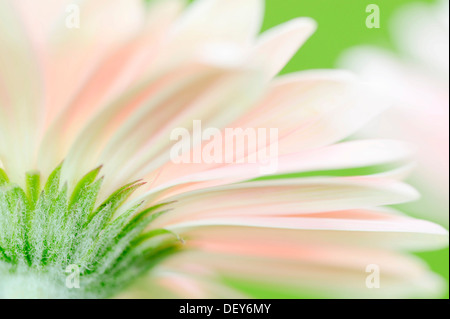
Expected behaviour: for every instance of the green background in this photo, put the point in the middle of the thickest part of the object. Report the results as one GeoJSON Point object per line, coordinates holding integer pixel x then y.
{"type": "Point", "coordinates": [341, 25]}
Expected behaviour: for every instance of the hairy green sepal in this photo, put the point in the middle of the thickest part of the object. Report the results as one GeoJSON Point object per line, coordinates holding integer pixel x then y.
{"type": "Point", "coordinates": [59, 245]}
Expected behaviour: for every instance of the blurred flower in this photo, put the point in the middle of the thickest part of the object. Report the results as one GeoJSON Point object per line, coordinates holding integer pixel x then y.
{"type": "Point", "coordinates": [417, 79]}
{"type": "Point", "coordinates": [108, 94]}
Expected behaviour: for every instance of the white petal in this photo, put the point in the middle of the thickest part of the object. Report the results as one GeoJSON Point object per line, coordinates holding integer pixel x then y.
{"type": "Point", "coordinates": [278, 45]}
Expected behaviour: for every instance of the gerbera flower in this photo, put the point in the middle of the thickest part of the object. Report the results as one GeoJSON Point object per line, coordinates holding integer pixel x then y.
{"type": "Point", "coordinates": [102, 97]}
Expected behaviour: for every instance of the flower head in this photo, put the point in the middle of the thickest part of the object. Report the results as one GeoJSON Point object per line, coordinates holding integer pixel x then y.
{"type": "Point", "coordinates": [102, 92]}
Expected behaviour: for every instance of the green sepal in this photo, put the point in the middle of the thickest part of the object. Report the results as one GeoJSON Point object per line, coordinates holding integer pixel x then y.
{"type": "Point", "coordinates": [33, 187]}
{"type": "Point", "coordinates": [44, 230]}
{"type": "Point", "coordinates": [3, 177]}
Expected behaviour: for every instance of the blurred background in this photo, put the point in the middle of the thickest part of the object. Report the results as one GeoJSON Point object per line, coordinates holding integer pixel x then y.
{"type": "Point", "coordinates": [342, 26]}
